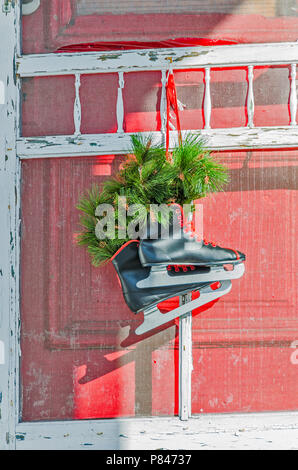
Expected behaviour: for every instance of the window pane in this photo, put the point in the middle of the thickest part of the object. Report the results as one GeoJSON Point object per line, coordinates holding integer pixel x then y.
{"type": "Point", "coordinates": [80, 356]}
{"type": "Point", "coordinates": [272, 93]}
{"type": "Point", "coordinates": [47, 106]}
{"type": "Point", "coordinates": [243, 344]}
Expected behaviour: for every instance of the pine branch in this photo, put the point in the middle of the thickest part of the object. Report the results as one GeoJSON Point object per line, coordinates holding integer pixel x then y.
{"type": "Point", "coordinates": [146, 177]}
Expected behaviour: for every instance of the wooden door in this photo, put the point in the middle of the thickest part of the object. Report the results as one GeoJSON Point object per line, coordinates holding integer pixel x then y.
{"type": "Point", "coordinates": [80, 356]}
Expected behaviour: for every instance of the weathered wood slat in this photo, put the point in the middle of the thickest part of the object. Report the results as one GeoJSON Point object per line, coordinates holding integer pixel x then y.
{"type": "Point", "coordinates": [208, 431]}
{"type": "Point", "coordinates": [157, 59]}
{"type": "Point", "coordinates": [77, 105]}
{"type": "Point", "coordinates": [185, 361]}
{"type": "Point", "coordinates": [293, 95]}
{"type": "Point", "coordinates": [185, 356]}
{"type": "Point", "coordinates": [250, 98]}
{"type": "Point", "coordinates": [163, 102]}
{"type": "Point", "coordinates": [120, 106]}
{"type": "Point", "coordinates": [118, 143]}
{"type": "Point", "coordinates": [207, 99]}
{"type": "Point", "coordinates": [9, 229]}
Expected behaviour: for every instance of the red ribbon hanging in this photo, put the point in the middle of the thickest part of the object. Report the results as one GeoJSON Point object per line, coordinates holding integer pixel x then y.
{"type": "Point", "coordinates": [171, 95]}
{"type": "Point", "coordinates": [129, 45]}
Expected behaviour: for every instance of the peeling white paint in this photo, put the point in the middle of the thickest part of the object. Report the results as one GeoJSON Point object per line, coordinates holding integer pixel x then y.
{"type": "Point", "coordinates": [207, 99]}
{"type": "Point", "coordinates": [120, 105]}
{"type": "Point", "coordinates": [2, 92]}
{"type": "Point", "coordinates": [2, 353]}
{"type": "Point", "coordinates": [250, 97]}
{"type": "Point", "coordinates": [2, 152]}
{"type": "Point", "coordinates": [185, 361]}
{"type": "Point", "coordinates": [157, 59]}
{"type": "Point", "coordinates": [163, 103]}
{"type": "Point", "coordinates": [9, 235]}
{"type": "Point", "coordinates": [293, 95]}
{"type": "Point", "coordinates": [239, 138]}
{"type": "Point", "coordinates": [209, 431]}
{"type": "Point", "coordinates": [77, 105]}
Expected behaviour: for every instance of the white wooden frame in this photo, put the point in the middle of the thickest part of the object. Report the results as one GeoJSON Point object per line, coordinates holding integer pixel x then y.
{"type": "Point", "coordinates": [10, 225]}
{"type": "Point", "coordinates": [13, 433]}
{"type": "Point", "coordinates": [245, 55]}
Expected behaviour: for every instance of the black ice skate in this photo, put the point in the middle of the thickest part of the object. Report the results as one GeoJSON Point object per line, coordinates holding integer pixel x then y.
{"type": "Point", "coordinates": [182, 251]}
{"type": "Point", "coordinates": [131, 273]}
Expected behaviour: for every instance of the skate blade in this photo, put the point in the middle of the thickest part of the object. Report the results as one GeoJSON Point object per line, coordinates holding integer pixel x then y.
{"type": "Point", "coordinates": [161, 277]}
{"type": "Point", "coordinates": [153, 318]}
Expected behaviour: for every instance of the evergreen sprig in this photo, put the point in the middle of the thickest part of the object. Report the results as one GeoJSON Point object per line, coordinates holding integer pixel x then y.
{"type": "Point", "coordinates": [147, 177]}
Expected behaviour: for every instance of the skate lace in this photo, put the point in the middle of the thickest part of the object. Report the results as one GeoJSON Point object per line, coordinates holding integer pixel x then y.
{"type": "Point", "coordinates": [182, 267]}
{"type": "Point", "coordinates": [208, 242]}
{"type": "Point", "coordinates": [187, 225]}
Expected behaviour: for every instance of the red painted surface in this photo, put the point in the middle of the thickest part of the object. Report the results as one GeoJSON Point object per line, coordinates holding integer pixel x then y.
{"type": "Point", "coordinates": [56, 25]}
{"type": "Point", "coordinates": [80, 356]}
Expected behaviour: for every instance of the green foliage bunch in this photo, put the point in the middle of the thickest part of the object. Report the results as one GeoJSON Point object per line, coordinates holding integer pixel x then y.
{"type": "Point", "coordinates": [148, 176]}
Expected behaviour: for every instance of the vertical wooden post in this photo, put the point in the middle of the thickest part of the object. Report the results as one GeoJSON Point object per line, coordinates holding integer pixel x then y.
{"type": "Point", "coordinates": [185, 361]}
{"type": "Point", "coordinates": [120, 105]}
{"type": "Point", "coordinates": [77, 105]}
{"type": "Point", "coordinates": [207, 99]}
{"type": "Point", "coordinates": [163, 106]}
{"type": "Point", "coordinates": [10, 226]}
{"type": "Point", "coordinates": [185, 357]}
{"type": "Point", "coordinates": [250, 97]}
{"type": "Point", "coordinates": [293, 96]}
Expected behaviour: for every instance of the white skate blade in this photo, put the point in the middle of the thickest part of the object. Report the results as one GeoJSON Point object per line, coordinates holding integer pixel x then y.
{"type": "Point", "coordinates": [154, 318]}
{"type": "Point", "coordinates": [160, 276]}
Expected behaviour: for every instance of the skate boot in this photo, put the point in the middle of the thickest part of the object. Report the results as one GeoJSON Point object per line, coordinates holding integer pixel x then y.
{"type": "Point", "coordinates": [131, 273]}
{"type": "Point", "coordinates": [182, 251]}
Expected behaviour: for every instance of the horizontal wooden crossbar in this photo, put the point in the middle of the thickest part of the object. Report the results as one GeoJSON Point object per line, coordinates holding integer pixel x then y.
{"type": "Point", "coordinates": [157, 59]}
{"type": "Point", "coordinates": [117, 143]}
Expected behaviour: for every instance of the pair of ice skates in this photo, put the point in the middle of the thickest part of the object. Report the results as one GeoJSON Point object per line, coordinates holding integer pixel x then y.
{"type": "Point", "coordinates": [154, 270]}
